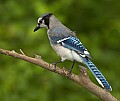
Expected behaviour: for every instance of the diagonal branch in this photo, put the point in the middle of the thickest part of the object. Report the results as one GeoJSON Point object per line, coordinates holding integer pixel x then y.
{"type": "Point", "coordinates": [81, 79]}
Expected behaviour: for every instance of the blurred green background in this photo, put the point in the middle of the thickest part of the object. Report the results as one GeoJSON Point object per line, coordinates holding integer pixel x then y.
{"type": "Point", "coordinates": [97, 24]}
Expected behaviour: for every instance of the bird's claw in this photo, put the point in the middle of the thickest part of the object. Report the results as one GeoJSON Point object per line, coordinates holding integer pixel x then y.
{"type": "Point", "coordinates": [54, 65]}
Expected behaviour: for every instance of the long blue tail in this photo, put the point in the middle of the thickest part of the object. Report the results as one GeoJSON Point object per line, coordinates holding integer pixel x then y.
{"type": "Point", "coordinates": [98, 75]}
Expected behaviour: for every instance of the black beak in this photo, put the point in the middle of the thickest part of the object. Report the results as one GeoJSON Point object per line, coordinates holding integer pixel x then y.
{"type": "Point", "coordinates": [36, 28]}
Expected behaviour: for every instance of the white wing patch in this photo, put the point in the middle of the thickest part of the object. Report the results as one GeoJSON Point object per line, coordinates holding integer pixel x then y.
{"type": "Point", "coordinates": [82, 55]}
{"type": "Point", "coordinates": [86, 52]}
{"type": "Point", "coordinates": [62, 40]}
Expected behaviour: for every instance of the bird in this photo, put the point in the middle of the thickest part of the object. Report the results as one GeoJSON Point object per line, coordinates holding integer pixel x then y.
{"type": "Point", "coordinates": [67, 45]}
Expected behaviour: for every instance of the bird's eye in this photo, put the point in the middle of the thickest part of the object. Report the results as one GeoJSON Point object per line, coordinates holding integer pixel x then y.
{"type": "Point", "coordinates": [40, 21]}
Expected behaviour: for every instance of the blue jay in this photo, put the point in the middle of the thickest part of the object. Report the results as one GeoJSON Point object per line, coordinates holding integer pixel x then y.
{"type": "Point", "coordinates": [68, 46]}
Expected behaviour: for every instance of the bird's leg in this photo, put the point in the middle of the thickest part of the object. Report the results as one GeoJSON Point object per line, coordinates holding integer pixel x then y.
{"type": "Point", "coordinates": [72, 67]}
{"type": "Point", "coordinates": [55, 63]}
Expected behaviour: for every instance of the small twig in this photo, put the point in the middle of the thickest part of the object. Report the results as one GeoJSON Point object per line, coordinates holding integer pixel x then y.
{"type": "Point", "coordinates": [38, 57]}
{"type": "Point", "coordinates": [22, 52]}
{"type": "Point", "coordinates": [13, 51]}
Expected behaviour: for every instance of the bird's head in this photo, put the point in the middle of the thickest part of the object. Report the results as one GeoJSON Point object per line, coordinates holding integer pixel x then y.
{"type": "Point", "coordinates": [43, 21]}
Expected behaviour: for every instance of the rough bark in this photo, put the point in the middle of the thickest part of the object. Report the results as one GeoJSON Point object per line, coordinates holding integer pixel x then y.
{"type": "Point", "coordinates": [81, 79]}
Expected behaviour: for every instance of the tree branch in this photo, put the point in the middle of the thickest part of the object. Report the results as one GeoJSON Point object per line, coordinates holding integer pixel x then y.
{"type": "Point", "coordinates": [81, 79]}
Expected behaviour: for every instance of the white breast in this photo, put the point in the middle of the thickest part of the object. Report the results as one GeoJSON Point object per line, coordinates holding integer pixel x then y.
{"type": "Point", "coordinates": [65, 53]}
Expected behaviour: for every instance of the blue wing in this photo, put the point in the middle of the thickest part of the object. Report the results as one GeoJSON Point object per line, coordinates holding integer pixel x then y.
{"type": "Point", "coordinates": [74, 43]}
{"type": "Point", "coordinates": [67, 39]}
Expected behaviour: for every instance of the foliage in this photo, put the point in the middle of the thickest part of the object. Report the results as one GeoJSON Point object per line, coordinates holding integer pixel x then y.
{"type": "Point", "coordinates": [97, 24]}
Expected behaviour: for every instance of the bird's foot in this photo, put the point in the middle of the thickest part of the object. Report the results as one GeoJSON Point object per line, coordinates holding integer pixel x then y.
{"type": "Point", "coordinates": [70, 71]}
{"type": "Point", "coordinates": [55, 64]}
